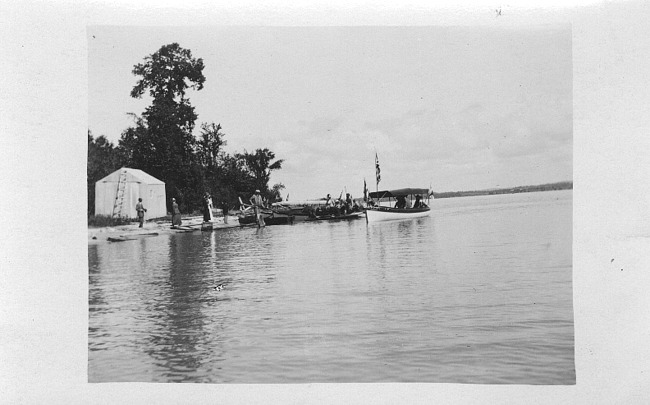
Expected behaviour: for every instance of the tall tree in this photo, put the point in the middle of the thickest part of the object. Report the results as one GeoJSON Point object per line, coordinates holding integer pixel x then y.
{"type": "Point", "coordinates": [260, 166]}
{"type": "Point", "coordinates": [209, 145]}
{"type": "Point", "coordinates": [162, 142]}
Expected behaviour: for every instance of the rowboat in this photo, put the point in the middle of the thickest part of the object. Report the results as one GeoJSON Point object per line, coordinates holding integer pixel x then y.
{"type": "Point", "coordinates": [385, 206]}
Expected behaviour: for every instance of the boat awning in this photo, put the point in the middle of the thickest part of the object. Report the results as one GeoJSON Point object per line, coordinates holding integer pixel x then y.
{"type": "Point", "coordinates": [399, 192]}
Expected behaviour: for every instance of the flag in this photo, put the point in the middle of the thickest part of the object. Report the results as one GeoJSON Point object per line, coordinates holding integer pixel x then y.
{"type": "Point", "coordinates": [365, 191]}
{"type": "Point", "coordinates": [377, 170]}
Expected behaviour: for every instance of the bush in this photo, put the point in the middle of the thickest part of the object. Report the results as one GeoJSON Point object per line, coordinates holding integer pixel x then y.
{"type": "Point", "coordinates": [99, 221]}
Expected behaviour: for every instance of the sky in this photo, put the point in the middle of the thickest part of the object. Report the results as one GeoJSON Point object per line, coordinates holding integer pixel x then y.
{"type": "Point", "coordinates": [451, 108]}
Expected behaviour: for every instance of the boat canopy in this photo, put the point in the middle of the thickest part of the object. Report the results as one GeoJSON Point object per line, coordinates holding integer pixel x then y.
{"type": "Point", "coordinates": [399, 192]}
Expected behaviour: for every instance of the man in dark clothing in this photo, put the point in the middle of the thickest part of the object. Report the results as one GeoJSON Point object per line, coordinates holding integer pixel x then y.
{"type": "Point", "coordinates": [140, 209]}
{"type": "Point", "coordinates": [224, 210]}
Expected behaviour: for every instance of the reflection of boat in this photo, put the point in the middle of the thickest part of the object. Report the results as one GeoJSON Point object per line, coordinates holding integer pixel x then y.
{"type": "Point", "coordinates": [385, 210]}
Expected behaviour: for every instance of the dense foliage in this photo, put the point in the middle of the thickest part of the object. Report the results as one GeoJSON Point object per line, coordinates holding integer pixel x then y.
{"type": "Point", "coordinates": [103, 159]}
{"type": "Point", "coordinates": [162, 142]}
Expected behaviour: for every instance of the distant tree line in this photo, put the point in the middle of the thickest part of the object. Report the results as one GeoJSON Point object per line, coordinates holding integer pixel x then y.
{"type": "Point", "coordinates": [564, 185]}
{"type": "Point", "coordinates": [161, 141]}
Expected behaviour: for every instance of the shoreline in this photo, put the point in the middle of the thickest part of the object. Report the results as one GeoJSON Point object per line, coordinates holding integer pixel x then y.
{"type": "Point", "coordinates": [133, 231]}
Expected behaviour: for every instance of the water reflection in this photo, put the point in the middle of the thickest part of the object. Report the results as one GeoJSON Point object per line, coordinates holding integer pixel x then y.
{"type": "Point", "coordinates": [470, 294]}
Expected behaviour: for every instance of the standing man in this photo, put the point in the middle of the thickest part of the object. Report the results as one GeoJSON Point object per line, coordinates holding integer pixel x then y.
{"type": "Point", "coordinates": [141, 210]}
{"type": "Point", "coordinates": [258, 202]}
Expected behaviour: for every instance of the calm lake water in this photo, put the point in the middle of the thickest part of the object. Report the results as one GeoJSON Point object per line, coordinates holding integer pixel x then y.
{"type": "Point", "coordinates": [480, 292]}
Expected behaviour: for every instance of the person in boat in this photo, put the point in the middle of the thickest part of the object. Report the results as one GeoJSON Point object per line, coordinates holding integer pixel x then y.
{"type": "Point", "coordinates": [418, 202]}
{"type": "Point", "coordinates": [337, 208]}
{"type": "Point", "coordinates": [329, 206]}
{"type": "Point", "coordinates": [140, 209]}
{"type": "Point", "coordinates": [401, 202]}
{"type": "Point", "coordinates": [328, 201]}
{"type": "Point", "coordinates": [257, 202]}
{"type": "Point", "coordinates": [176, 214]}
{"type": "Point", "coordinates": [348, 203]}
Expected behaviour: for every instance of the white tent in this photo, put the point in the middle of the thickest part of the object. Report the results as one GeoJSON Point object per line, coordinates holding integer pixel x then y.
{"type": "Point", "coordinates": [137, 184]}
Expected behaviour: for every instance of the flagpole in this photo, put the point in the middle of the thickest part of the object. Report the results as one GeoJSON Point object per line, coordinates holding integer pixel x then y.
{"type": "Point", "coordinates": [377, 171]}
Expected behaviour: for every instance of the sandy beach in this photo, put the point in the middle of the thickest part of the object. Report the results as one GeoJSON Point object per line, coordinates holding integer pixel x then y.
{"type": "Point", "coordinates": [153, 228]}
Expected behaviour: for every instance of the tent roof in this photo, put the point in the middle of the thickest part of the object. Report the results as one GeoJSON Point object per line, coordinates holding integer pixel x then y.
{"type": "Point", "coordinates": [398, 192]}
{"type": "Point", "coordinates": [132, 175]}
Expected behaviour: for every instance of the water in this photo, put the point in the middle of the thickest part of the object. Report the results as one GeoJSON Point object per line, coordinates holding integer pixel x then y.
{"type": "Point", "coordinates": [480, 292]}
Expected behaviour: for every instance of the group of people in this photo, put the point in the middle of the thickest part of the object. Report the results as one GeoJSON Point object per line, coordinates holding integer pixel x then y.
{"type": "Point", "coordinates": [336, 207]}
{"type": "Point", "coordinates": [403, 203]}
{"type": "Point", "coordinates": [207, 206]}
{"type": "Point", "coordinates": [208, 215]}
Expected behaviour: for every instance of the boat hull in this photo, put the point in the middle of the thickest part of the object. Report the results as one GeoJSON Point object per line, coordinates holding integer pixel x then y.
{"type": "Point", "coordinates": [353, 215]}
{"type": "Point", "coordinates": [379, 214]}
{"type": "Point", "coordinates": [268, 220]}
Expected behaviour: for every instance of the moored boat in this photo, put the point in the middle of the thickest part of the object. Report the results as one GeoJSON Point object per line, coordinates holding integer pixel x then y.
{"type": "Point", "coordinates": [271, 218]}
{"type": "Point", "coordinates": [392, 205]}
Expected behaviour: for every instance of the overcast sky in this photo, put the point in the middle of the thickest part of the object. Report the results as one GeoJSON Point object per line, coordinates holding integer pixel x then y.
{"type": "Point", "coordinates": [455, 108]}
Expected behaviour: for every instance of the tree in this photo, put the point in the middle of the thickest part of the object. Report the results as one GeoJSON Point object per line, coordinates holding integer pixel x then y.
{"type": "Point", "coordinates": [209, 145]}
{"type": "Point", "coordinates": [274, 193]}
{"type": "Point", "coordinates": [259, 166]}
{"type": "Point", "coordinates": [103, 159]}
{"type": "Point", "coordinates": [166, 73]}
{"type": "Point", "coordinates": [162, 142]}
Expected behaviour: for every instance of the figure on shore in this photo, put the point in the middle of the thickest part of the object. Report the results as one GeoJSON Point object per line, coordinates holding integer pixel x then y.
{"type": "Point", "coordinates": [176, 214]}
{"type": "Point", "coordinates": [140, 209]}
{"type": "Point", "coordinates": [258, 203]}
{"type": "Point", "coordinates": [210, 207]}
{"type": "Point", "coordinates": [224, 210]}
{"type": "Point", "coordinates": [207, 214]}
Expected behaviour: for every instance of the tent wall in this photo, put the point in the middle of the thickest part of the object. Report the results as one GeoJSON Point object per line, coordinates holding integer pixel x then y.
{"type": "Point", "coordinates": [105, 197]}
{"type": "Point", "coordinates": [153, 199]}
{"type": "Point", "coordinates": [153, 195]}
